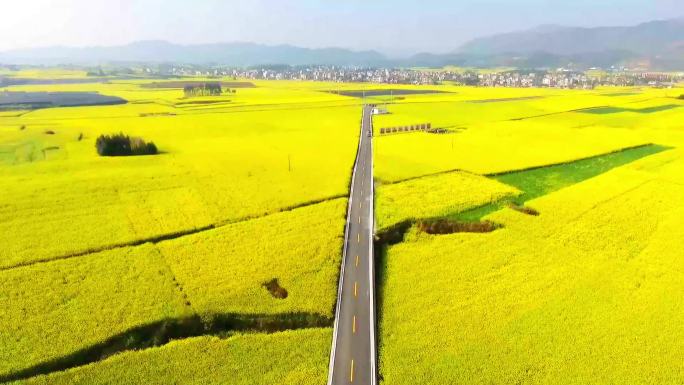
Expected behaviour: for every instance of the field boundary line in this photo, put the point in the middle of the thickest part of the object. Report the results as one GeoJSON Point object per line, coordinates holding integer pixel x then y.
{"type": "Point", "coordinates": [610, 199]}
{"type": "Point", "coordinates": [579, 110]}
{"type": "Point", "coordinates": [455, 170]}
{"type": "Point", "coordinates": [617, 151]}
{"type": "Point", "coordinates": [170, 236]}
{"type": "Point", "coordinates": [238, 109]}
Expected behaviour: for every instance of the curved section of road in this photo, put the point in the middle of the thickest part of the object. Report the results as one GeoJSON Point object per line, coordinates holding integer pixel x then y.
{"type": "Point", "coordinates": [353, 355]}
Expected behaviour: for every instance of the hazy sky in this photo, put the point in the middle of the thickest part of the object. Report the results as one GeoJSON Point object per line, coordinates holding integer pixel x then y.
{"type": "Point", "coordinates": [391, 26]}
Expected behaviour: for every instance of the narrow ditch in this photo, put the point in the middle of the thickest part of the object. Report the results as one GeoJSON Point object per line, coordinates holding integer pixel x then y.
{"type": "Point", "coordinates": [434, 226]}
{"type": "Point", "coordinates": [523, 209]}
{"type": "Point", "coordinates": [448, 226]}
{"type": "Point", "coordinates": [162, 332]}
{"type": "Point", "coordinates": [380, 247]}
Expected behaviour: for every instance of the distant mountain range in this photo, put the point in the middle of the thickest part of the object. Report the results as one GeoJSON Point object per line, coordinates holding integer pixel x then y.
{"type": "Point", "coordinates": [233, 54]}
{"type": "Point", "coordinates": [652, 45]}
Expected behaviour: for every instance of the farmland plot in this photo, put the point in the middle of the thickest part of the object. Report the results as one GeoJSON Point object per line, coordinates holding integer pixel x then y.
{"type": "Point", "coordinates": [489, 138]}
{"type": "Point", "coordinates": [224, 270]}
{"type": "Point", "coordinates": [288, 358]}
{"type": "Point", "coordinates": [235, 227]}
{"type": "Point", "coordinates": [577, 287]}
{"type": "Point", "coordinates": [55, 309]}
{"type": "Point", "coordinates": [580, 294]}
{"type": "Point", "coordinates": [214, 168]}
{"type": "Point", "coordinates": [436, 196]}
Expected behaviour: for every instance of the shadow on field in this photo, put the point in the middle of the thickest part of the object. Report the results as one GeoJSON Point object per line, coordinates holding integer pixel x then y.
{"type": "Point", "coordinates": [380, 256]}
{"type": "Point", "coordinates": [21, 100]}
{"type": "Point", "coordinates": [617, 110]}
{"type": "Point", "coordinates": [161, 333]}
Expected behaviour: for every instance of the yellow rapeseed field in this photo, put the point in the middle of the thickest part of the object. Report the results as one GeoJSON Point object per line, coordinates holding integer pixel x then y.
{"type": "Point", "coordinates": [251, 186]}
{"type": "Point", "coordinates": [289, 358]}
{"type": "Point", "coordinates": [55, 309]}
{"type": "Point", "coordinates": [436, 196]}
{"type": "Point", "coordinates": [216, 165]}
{"type": "Point", "coordinates": [248, 187]}
{"type": "Point", "coordinates": [488, 137]}
{"type": "Point", "coordinates": [585, 293]}
{"type": "Point", "coordinates": [223, 271]}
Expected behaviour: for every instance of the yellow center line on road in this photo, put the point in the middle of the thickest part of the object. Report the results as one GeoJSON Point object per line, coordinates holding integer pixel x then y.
{"type": "Point", "coordinates": [357, 261]}
{"type": "Point", "coordinates": [351, 374]}
{"type": "Point", "coordinates": [359, 219]}
{"type": "Point", "coordinates": [354, 325]}
{"type": "Point", "coordinates": [356, 287]}
{"type": "Point", "coordinates": [358, 238]}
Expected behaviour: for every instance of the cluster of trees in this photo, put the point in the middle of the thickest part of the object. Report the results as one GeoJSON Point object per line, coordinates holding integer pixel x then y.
{"type": "Point", "coordinates": [123, 145]}
{"type": "Point", "coordinates": [96, 72]}
{"type": "Point", "coordinates": [681, 96]}
{"type": "Point", "coordinates": [206, 89]}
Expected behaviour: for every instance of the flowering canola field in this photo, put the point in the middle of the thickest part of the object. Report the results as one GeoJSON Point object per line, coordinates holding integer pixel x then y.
{"type": "Point", "coordinates": [586, 292]}
{"type": "Point", "coordinates": [500, 135]}
{"type": "Point", "coordinates": [114, 254]}
{"type": "Point", "coordinates": [289, 358]}
{"type": "Point", "coordinates": [217, 165]}
{"type": "Point", "coordinates": [105, 260]}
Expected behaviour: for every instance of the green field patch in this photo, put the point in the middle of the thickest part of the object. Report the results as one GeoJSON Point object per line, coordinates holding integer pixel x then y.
{"type": "Point", "coordinates": [651, 110]}
{"type": "Point", "coordinates": [604, 110]}
{"type": "Point", "coordinates": [435, 196]}
{"type": "Point", "coordinates": [30, 150]}
{"type": "Point", "coordinates": [543, 180]}
{"type": "Point", "coordinates": [617, 94]}
{"type": "Point", "coordinates": [466, 198]}
{"type": "Point", "coordinates": [617, 110]}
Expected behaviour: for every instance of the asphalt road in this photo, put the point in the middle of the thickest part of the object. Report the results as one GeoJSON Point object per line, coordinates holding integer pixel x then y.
{"type": "Point", "coordinates": [353, 356]}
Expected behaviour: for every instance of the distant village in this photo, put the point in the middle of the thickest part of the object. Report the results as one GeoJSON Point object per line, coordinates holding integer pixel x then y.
{"type": "Point", "coordinates": [549, 78]}
{"type": "Point", "coordinates": [558, 78]}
